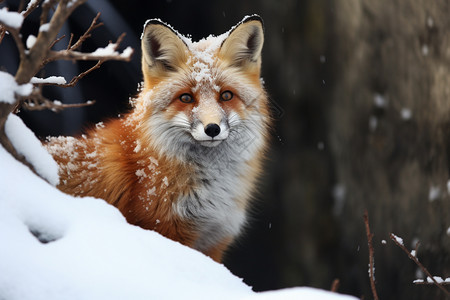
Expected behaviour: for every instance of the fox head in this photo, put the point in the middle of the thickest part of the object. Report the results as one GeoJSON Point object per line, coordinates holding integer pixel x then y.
{"type": "Point", "coordinates": [205, 94]}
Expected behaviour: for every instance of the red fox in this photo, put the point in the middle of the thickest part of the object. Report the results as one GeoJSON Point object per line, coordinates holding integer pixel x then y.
{"type": "Point", "coordinates": [184, 162]}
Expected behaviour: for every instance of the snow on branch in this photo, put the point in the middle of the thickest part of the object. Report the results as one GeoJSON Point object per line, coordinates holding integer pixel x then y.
{"type": "Point", "coordinates": [436, 280]}
{"type": "Point", "coordinates": [40, 50]}
{"type": "Point", "coordinates": [430, 280]}
{"type": "Point", "coordinates": [10, 89]}
{"type": "Point", "coordinates": [56, 80]}
{"type": "Point", "coordinates": [101, 54]}
{"type": "Point", "coordinates": [36, 101]}
{"type": "Point", "coordinates": [10, 19]}
{"type": "Point", "coordinates": [37, 52]}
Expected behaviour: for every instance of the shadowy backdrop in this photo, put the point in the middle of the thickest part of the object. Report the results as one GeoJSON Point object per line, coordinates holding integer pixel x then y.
{"type": "Point", "coordinates": [360, 91]}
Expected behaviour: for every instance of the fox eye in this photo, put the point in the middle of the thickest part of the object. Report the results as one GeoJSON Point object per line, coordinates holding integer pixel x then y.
{"type": "Point", "coordinates": [186, 98]}
{"type": "Point", "coordinates": [226, 96]}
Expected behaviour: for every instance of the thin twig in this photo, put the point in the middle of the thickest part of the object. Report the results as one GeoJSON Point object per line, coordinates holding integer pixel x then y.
{"type": "Point", "coordinates": [30, 8]}
{"type": "Point", "coordinates": [395, 239]}
{"type": "Point", "coordinates": [335, 285]}
{"type": "Point", "coordinates": [36, 101]}
{"type": "Point", "coordinates": [371, 256]}
{"type": "Point", "coordinates": [56, 41]}
{"type": "Point", "coordinates": [70, 41]}
{"type": "Point", "coordinates": [119, 40]}
{"type": "Point", "coordinates": [75, 79]}
{"type": "Point", "coordinates": [85, 35]}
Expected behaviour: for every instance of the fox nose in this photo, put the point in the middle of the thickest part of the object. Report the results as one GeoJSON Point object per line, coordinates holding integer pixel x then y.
{"type": "Point", "coordinates": [212, 130]}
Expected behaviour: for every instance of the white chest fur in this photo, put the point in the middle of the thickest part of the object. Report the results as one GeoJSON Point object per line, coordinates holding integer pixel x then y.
{"type": "Point", "coordinates": [213, 203]}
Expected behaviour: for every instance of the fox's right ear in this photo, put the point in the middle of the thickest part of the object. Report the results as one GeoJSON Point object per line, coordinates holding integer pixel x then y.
{"type": "Point", "coordinates": [163, 50]}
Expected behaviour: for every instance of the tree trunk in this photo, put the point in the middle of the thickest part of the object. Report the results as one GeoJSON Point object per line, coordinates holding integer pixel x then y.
{"type": "Point", "coordinates": [390, 138]}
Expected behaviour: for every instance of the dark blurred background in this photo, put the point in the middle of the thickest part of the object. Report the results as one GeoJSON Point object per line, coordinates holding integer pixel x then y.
{"type": "Point", "coordinates": [361, 106]}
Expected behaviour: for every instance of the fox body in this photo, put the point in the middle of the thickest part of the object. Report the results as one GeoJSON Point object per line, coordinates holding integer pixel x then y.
{"type": "Point", "coordinates": [185, 160]}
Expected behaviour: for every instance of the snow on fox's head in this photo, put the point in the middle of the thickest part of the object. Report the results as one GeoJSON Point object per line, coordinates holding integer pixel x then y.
{"type": "Point", "coordinates": [203, 93]}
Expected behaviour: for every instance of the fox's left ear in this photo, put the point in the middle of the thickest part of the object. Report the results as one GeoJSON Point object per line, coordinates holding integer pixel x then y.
{"type": "Point", "coordinates": [242, 47]}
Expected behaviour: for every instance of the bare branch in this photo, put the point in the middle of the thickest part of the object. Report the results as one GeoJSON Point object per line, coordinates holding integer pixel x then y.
{"type": "Point", "coordinates": [399, 243]}
{"type": "Point", "coordinates": [55, 106]}
{"type": "Point", "coordinates": [86, 35]}
{"type": "Point", "coordinates": [2, 33]}
{"type": "Point", "coordinates": [36, 101]}
{"type": "Point", "coordinates": [74, 80]}
{"type": "Point", "coordinates": [31, 63]}
{"type": "Point", "coordinates": [371, 256]}
{"type": "Point", "coordinates": [56, 41]}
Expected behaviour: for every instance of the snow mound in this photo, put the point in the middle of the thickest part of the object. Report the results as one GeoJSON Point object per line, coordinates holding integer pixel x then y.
{"type": "Point", "coordinates": [55, 246]}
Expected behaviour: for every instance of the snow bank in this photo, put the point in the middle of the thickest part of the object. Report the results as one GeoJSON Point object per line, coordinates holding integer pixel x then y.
{"type": "Point", "coordinates": [54, 246]}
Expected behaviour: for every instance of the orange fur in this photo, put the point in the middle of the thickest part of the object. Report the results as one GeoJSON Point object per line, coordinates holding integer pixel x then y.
{"type": "Point", "coordinates": [117, 183]}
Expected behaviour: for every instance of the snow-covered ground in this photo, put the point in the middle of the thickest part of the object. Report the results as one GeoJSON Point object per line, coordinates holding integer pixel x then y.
{"type": "Point", "coordinates": [54, 246]}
